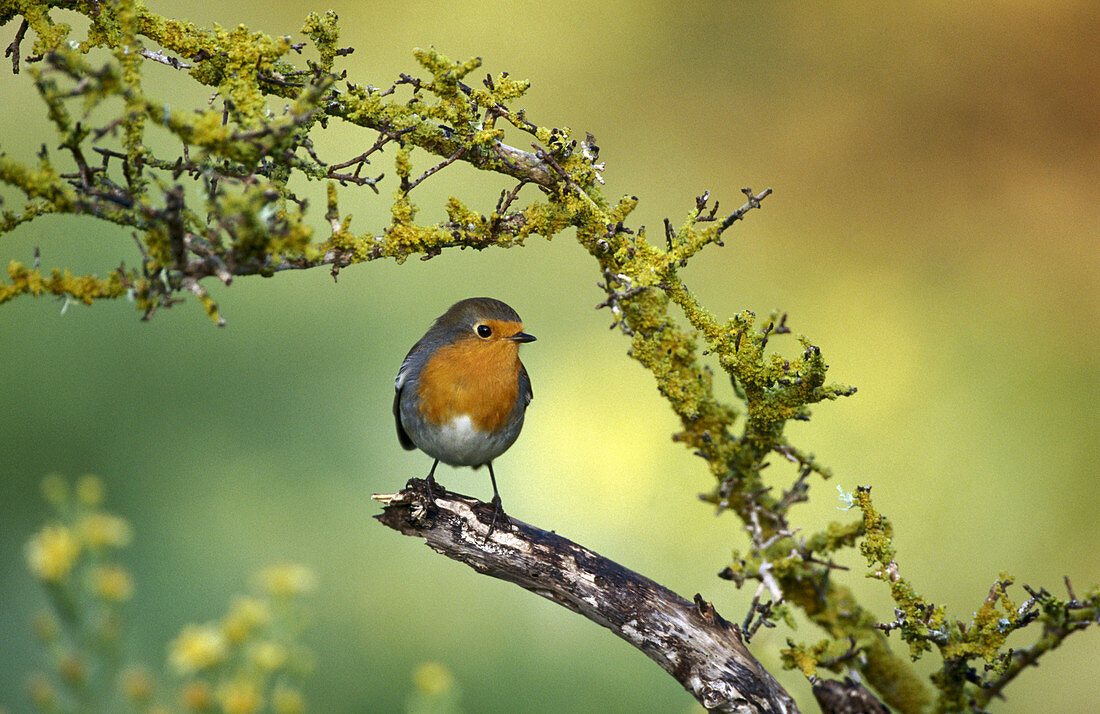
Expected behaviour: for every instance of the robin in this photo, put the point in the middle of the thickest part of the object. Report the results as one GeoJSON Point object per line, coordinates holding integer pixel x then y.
{"type": "Point", "coordinates": [462, 391]}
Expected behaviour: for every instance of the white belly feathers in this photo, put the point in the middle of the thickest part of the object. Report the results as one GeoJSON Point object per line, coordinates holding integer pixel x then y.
{"type": "Point", "coordinates": [459, 443]}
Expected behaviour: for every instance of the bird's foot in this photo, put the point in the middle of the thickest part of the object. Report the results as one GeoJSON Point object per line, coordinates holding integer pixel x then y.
{"type": "Point", "coordinates": [499, 516]}
{"type": "Point", "coordinates": [424, 489]}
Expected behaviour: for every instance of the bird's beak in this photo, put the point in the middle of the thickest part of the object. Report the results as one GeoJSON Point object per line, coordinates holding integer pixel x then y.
{"type": "Point", "coordinates": [522, 337]}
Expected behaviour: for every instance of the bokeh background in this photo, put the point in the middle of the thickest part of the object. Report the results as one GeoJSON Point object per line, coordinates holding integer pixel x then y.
{"type": "Point", "coordinates": [934, 229]}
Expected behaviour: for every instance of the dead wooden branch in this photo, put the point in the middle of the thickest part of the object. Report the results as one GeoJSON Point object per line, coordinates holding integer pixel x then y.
{"type": "Point", "coordinates": [689, 640]}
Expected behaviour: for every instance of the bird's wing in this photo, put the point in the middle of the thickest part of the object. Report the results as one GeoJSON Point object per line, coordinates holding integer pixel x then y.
{"type": "Point", "coordinates": [525, 385]}
{"type": "Point", "coordinates": [398, 386]}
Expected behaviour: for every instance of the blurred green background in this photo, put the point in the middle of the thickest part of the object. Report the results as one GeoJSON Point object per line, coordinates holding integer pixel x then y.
{"type": "Point", "coordinates": [934, 229]}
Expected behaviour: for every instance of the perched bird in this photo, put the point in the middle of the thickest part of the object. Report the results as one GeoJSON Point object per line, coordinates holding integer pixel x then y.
{"type": "Point", "coordinates": [461, 391]}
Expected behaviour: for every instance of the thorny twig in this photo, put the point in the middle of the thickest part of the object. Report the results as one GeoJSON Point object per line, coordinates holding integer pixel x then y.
{"type": "Point", "coordinates": [753, 202]}
{"type": "Point", "coordinates": [762, 613]}
{"type": "Point", "coordinates": [616, 297]}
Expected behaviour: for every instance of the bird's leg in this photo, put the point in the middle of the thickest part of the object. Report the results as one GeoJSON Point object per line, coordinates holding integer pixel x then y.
{"type": "Point", "coordinates": [431, 481]}
{"type": "Point", "coordinates": [497, 509]}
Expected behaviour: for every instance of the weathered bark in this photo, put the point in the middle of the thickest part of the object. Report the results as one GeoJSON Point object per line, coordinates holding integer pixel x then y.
{"type": "Point", "coordinates": [836, 696]}
{"type": "Point", "coordinates": [689, 640]}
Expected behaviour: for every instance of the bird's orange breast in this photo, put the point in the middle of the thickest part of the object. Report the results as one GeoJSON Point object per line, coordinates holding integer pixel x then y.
{"type": "Point", "coordinates": [474, 378]}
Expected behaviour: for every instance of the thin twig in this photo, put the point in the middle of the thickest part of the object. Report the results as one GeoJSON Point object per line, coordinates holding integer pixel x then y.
{"type": "Point", "coordinates": [753, 202]}
{"type": "Point", "coordinates": [13, 49]}
{"type": "Point", "coordinates": [446, 162]}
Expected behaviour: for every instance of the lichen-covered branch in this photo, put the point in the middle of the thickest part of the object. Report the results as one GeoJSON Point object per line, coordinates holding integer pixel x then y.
{"type": "Point", "coordinates": [924, 626]}
{"type": "Point", "coordinates": [222, 207]}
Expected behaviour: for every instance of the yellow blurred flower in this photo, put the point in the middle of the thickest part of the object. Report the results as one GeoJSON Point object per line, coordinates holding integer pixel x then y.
{"type": "Point", "coordinates": [102, 530]}
{"type": "Point", "coordinates": [109, 628]}
{"type": "Point", "coordinates": [287, 580]}
{"type": "Point", "coordinates": [137, 685]}
{"type": "Point", "coordinates": [433, 679]}
{"type": "Point", "coordinates": [246, 615]}
{"type": "Point", "coordinates": [46, 626]}
{"type": "Point", "coordinates": [41, 692]}
{"type": "Point", "coordinates": [90, 491]}
{"type": "Point", "coordinates": [196, 648]}
{"type": "Point", "coordinates": [52, 552]}
{"type": "Point", "coordinates": [287, 700]}
{"type": "Point", "coordinates": [196, 696]}
{"type": "Point", "coordinates": [240, 696]}
{"type": "Point", "coordinates": [55, 489]}
{"type": "Point", "coordinates": [112, 583]}
{"type": "Point", "coordinates": [268, 655]}
{"type": "Point", "coordinates": [73, 669]}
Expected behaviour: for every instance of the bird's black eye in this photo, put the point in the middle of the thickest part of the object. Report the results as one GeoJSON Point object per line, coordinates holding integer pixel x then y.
{"type": "Point", "coordinates": [484, 331]}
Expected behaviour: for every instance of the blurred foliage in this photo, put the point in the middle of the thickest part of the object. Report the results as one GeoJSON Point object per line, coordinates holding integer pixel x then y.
{"type": "Point", "coordinates": [248, 662]}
